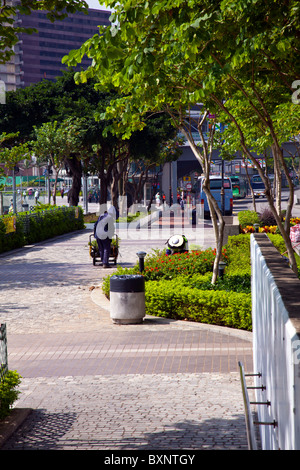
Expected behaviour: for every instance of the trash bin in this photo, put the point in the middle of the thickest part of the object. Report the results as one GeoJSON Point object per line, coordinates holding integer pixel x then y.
{"type": "Point", "coordinates": [127, 299]}
{"type": "Point", "coordinates": [25, 207]}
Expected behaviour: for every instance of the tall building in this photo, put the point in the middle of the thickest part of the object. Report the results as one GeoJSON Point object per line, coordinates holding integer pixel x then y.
{"type": "Point", "coordinates": [10, 72]}
{"type": "Point", "coordinates": [38, 55]}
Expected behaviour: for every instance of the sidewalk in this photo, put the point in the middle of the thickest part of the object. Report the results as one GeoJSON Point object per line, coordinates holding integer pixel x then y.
{"type": "Point", "coordinates": [94, 385]}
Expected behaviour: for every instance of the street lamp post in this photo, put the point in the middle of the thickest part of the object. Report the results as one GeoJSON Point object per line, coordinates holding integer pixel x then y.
{"type": "Point", "coordinates": [222, 266]}
{"type": "Point", "coordinates": [15, 170]}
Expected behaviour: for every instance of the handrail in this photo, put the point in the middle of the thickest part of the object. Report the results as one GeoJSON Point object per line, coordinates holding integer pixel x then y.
{"type": "Point", "coordinates": [249, 420]}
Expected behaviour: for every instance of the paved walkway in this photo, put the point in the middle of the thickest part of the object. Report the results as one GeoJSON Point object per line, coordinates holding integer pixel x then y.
{"type": "Point", "coordinates": [94, 385]}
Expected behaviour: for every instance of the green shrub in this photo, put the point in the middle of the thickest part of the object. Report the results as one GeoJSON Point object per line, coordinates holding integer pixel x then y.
{"type": "Point", "coordinates": [160, 266]}
{"type": "Point", "coordinates": [231, 309]}
{"type": "Point", "coordinates": [277, 241]}
{"type": "Point", "coordinates": [235, 282]}
{"type": "Point", "coordinates": [167, 267]}
{"type": "Point", "coordinates": [40, 225]}
{"type": "Point", "coordinates": [267, 218]}
{"type": "Point", "coordinates": [10, 241]}
{"type": "Point", "coordinates": [8, 392]}
{"type": "Point", "coordinates": [239, 256]}
{"type": "Point", "coordinates": [179, 286]}
{"type": "Point", "coordinates": [248, 218]}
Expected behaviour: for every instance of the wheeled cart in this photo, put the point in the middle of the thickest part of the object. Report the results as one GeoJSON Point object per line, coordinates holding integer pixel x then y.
{"type": "Point", "coordinates": [94, 251]}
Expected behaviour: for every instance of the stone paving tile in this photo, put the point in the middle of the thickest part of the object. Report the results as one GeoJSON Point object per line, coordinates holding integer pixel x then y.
{"type": "Point", "coordinates": [132, 412]}
{"type": "Point", "coordinates": [95, 385]}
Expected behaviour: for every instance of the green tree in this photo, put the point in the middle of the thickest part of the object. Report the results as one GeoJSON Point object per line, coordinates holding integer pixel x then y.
{"type": "Point", "coordinates": [170, 55]}
{"type": "Point", "coordinates": [9, 30]}
{"type": "Point", "coordinates": [11, 152]}
{"type": "Point", "coordinates": [51, 148]}
{"type": "Point", "coordinates": [92, 146]}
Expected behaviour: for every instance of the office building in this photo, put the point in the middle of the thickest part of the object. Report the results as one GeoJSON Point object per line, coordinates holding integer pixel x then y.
{"type": "Point", "coordinates": [38, 56]}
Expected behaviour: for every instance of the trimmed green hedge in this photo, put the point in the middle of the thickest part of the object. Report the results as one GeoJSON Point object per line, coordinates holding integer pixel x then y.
{"type": "Point", "coordinates": [166, 299]}
{"type": "Point", "coordinates": [248, 217]}
{"type": "Point", "coordinates": [179, 286]}
{"type": "Point", "coordinates": [38, 226]}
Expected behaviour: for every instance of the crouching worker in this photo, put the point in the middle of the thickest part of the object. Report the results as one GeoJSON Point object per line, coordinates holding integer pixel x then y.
{"type": "Point", "coordinates": [104, 230]}
{"type": "Point", "coordinates": [177, 244]}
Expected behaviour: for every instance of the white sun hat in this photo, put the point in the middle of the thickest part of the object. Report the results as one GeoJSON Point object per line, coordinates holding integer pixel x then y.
{"type": "Point", "coordinates": [176, 241]}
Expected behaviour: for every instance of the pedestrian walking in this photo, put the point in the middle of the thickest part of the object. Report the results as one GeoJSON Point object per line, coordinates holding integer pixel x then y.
{"type": "Point", "coordinates": [11, 208]}
{"type": "Point", "coordinates": [36, 195]}
{"type": "Point", "coordinates": [157, 199]}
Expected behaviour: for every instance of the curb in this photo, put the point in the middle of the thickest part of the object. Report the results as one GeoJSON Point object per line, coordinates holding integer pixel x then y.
{"type": "Point", "coordinates": [98, 298]}
{"type": "Point", "coordinates": [42, 242]}
{"type": "Point", "coordinates": [12, 422]}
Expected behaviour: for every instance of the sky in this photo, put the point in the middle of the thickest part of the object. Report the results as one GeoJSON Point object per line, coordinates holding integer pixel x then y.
{"type": "Point", "coordinates": [95, 4]}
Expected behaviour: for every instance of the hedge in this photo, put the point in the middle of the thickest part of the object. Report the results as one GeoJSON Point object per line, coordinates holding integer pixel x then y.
{"type": "Point", "coordinates": [38, 226]}
{"type": "Point", "coordinates": [231, 309]}
{"type": "Point", "coordinates": [179, 286]}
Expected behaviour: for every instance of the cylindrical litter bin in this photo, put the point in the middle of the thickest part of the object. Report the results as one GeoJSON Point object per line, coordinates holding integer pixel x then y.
{"type": "Point", "coordinates": [127, 299]}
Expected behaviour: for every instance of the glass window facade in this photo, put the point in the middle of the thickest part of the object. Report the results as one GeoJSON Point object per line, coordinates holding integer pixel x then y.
{"type": "Point", "coordinates": [42, 52]}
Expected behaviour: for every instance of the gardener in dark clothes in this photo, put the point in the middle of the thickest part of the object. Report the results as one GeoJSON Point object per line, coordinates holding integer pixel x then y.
{"type": "Point", "coordinates": [104, 230]}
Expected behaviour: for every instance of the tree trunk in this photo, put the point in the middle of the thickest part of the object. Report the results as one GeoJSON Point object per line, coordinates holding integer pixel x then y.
{"type": "Point", "coordinates": [114, 187]}
{"type": "Point", "coordinates": [218, 225]}
{"type": "Point", "coordinates": [278, 155]}
{"type": "Point", "coordinates": [75, 170]}
{"type": "Point", "coordinates": [55, 186]}
{"type": "Point", "coordinates": [104, 176]}
{"type": "Point", "coordinates": [154, 191]}
{"type": "Point", "coordinates": [250, 186]}
{"type": "Point", "coordinates": [204, 159]}
{"type": "Point", "coordinates": [103, 189]}
{"type": "Point", "coordinates": [277, 182]}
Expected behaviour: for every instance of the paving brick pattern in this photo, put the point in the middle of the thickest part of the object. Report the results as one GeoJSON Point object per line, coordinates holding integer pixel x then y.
{"type": "Point", "coordinates": [95, 385]}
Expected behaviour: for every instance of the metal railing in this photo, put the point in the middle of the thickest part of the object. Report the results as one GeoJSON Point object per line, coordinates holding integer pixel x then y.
{"type": "Point", "coordinates": [252, 444]}
{"type": "Point", "coordinates": [3, 352]}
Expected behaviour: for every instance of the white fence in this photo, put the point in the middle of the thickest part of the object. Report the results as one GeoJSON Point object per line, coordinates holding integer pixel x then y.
{"type": "Point", "coordinates": [276, 345]}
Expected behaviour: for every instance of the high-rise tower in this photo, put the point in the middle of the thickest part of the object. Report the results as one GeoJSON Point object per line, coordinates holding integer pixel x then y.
{"type": "Point", "coordinates": [38, 55]}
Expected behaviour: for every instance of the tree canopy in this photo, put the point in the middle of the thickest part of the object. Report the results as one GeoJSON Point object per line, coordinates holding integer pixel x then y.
{"type": "Point", "coordinates": [68, 110]}
{"type": "Point", "coordinates": [9, 30]}
{"type": "Point", "coordinates": [170, 55]}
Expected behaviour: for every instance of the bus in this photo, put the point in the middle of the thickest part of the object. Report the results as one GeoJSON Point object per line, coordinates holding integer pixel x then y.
{"type": "Point", "coordinates": [239, 186]}
{"type": "Point", "coordinates": [215, 188]}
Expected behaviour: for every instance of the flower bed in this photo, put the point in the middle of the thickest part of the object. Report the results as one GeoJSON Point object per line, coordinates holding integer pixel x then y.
{"type": "Point", "coordinates": [247, 219]}
{"type": "Point", "coordinates": [265, 229]}
{"type": "Point", "coordinates": [179, 286]}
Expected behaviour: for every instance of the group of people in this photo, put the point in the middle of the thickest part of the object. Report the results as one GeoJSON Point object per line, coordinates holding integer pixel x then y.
{"type": "Point", "coordinates": [159, 200]}
{"type": "Point", "coordinates": [31, 193]}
